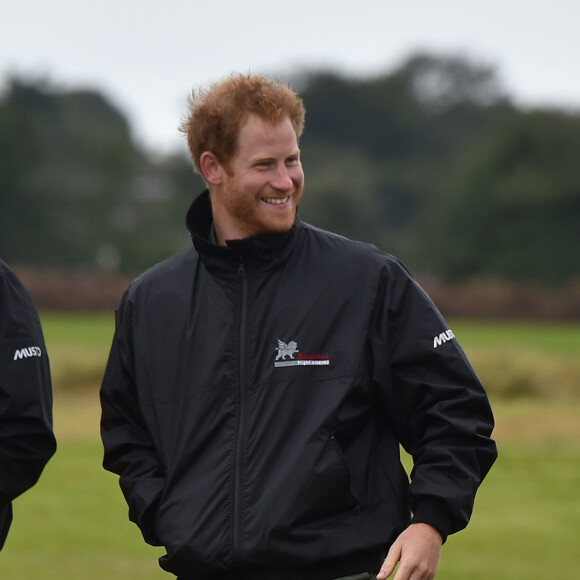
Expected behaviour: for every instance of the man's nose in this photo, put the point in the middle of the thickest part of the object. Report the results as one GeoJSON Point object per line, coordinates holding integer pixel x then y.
{"type": "Point", "coordinates": [281, 179]}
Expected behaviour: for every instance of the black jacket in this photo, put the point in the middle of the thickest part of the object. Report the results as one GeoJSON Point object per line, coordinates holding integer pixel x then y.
{"type": "Point", "coordinates": [256, 395]}
{"type": "Point", "coordinates": [26, 438]}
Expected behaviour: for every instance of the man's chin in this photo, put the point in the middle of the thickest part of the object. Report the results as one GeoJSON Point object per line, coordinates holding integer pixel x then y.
{"type": "Point", "coordinates": [278, 226]}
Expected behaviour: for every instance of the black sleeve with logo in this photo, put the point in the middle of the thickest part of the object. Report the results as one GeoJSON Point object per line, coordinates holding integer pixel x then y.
{"type": "Point", "coordinates": [439, 408]}
{"type": "Point", "coordinates": [26, 436]}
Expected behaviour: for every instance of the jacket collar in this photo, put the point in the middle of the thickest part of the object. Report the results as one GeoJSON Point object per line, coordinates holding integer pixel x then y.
{"type": "Point", "coordinates": [264, 251]}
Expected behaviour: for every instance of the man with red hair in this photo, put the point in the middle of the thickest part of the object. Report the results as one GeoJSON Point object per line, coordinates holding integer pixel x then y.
{"type": "Point", "coordinates": [260, 382]}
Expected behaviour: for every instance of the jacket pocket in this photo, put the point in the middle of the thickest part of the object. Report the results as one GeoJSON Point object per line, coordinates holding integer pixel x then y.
{"type": "Point", "coordinates": [352, 493]}
{"type": "Point", "coordinates": [143, 496]}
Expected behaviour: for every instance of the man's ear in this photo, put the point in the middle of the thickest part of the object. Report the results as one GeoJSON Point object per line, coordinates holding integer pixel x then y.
{"type": "Point", "coordinates": [211, 168]}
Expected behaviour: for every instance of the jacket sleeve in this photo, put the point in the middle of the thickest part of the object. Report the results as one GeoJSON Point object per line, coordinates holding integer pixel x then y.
{"type": "Point", "coordinates": [436, 403]}
{"type": "Point", "coordinates": [129, 449]}
{"type": "Point", "coordinates": [27, 440]}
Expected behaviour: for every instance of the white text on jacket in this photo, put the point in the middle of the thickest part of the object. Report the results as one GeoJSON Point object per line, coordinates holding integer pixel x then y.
{"type": "Point", "coordinates": [27, 352]}
{"type": "Point", "coordinates": [443, 337]}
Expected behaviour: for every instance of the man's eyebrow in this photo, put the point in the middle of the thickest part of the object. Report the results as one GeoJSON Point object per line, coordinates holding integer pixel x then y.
{"type": "Point", "coordinates": [259, 157]}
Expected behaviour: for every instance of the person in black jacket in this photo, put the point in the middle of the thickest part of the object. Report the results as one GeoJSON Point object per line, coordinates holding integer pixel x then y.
{"type": "Point", "coordinates": [260, 383]}
{"type": "Point", "coordinates": [27, 440]}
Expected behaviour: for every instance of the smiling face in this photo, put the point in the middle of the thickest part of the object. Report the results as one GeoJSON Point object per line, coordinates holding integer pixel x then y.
{"type": "Point", "coordinates": [259, 190]}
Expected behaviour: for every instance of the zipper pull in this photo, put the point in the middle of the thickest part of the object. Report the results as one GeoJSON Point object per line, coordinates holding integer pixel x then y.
{"type": "Point", "coordinates": [241, 269]}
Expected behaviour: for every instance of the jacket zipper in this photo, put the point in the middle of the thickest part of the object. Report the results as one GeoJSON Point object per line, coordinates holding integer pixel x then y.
{"type": "Point", "coordinates": [239, 451]}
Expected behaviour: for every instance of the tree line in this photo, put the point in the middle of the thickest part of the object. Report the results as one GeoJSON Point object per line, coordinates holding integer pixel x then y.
{"type": "Point", "coordinates": [432, 162]}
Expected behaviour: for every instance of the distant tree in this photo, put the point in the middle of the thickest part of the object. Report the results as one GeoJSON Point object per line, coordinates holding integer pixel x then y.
{"type": "Point", "coordinates": [378, 116]}
{"type": "Point", "coordinates": [515, 212]}
{"type": "Point", "coordinates": [409, 128]}
{"type": "Point", "coordinates": [76, 191]}
{"type": "Point", "coordinates": [442, 83]}
{"type": "Point", "coordinates": [430, 161]}
{"type": "Point", "coordinates": [69, 158]}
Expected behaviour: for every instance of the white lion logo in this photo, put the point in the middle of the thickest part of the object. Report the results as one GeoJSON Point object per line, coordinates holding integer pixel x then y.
{"type": "Point", "coordinates": [285, 350]}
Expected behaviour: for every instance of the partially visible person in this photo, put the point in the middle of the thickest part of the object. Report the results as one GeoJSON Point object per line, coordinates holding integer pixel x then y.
{"type": "Point", "coordinates": [27, 439]}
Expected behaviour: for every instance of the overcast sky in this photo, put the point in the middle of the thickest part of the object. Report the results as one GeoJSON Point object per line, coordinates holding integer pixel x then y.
{"type": "Point", "coordinates": [147, 55]}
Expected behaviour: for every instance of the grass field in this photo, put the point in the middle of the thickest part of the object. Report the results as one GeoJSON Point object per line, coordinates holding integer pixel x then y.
{"type": "Point", "coordinates": [73, 524]}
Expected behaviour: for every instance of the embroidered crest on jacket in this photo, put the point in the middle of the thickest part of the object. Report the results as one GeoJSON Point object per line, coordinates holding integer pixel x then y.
{"type": "Point", "coordinates": [285, 350]}
{"type": "Point", "coordinates": [290, 349]}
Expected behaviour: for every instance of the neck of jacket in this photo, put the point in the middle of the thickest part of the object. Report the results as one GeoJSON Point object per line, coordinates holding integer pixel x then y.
{"type": "Point", "coordinates": [264, 251]}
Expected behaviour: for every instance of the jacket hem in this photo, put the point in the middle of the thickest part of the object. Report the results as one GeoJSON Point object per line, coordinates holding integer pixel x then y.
{"type": "Point", "coordinates": [339, 567]}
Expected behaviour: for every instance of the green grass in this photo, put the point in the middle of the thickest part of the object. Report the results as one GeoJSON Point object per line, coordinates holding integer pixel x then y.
{"type": "Point", "coordinates": [524, 359]}
{"type": "Point", "coordinates": [73, 523]}
{"type": "Point", "coordinates": [526, 518]}
{"type": "Point", "coordinates": [78, 347]}
{"type": "Point", "coordinates": [71, 328]}
{"type": "Point", "coordinates": [558, 338]}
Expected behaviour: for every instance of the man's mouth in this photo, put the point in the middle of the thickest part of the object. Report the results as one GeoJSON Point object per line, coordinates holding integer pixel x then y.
{"type": "Point", "coordinates": [276, 200]}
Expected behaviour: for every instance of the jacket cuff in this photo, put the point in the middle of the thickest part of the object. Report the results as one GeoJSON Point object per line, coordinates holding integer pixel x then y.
{"type": "Point", "coordinates": [432, 512]}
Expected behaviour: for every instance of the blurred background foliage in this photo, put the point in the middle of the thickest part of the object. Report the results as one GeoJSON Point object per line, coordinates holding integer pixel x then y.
{"type": "Point", "coordinates": [431, 161]}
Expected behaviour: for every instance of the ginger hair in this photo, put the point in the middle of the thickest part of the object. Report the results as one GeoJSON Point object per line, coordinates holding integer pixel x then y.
{"type": "Point", "coordinates": [217, 114]}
